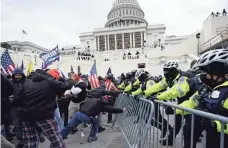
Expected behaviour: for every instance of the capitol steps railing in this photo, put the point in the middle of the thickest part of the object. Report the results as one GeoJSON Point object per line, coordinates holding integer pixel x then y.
{"type": "Point", "coordinates": [218, 41]}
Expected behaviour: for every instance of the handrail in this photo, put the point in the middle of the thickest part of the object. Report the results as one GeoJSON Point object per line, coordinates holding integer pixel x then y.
{"type": "Point", "coordinates": [216, 39]}
{"type": "Point", "coordinates": [197, 112]}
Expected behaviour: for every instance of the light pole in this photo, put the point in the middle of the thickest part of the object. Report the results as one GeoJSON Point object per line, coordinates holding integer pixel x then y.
{"type": "Point", "coordinates": [198, 37]}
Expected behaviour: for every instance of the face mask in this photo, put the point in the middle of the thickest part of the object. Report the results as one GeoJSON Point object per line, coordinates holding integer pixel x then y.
{"type": "Point", "coordinates": [170, 75]}
{"type": "Point", "coordinates": [210, 82]}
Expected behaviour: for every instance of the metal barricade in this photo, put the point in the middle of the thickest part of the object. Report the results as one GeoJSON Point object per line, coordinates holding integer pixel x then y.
{"type": "Point", "coordinates": [135, 124]}
{"type": "Point", "coordinates": [146, 122]}
{"type": "Point", "coordinates": [188, 134]}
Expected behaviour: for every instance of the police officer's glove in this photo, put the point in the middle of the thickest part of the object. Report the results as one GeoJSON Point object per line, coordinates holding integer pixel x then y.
{"type": "Point", "coordinates": [137, 97]}
{"type": "Point", "coordinates": [152, 98]}
{"type": "Point", "coordinates": [169, 110]}
{"type": "Point", "coordinates": [208, 124]}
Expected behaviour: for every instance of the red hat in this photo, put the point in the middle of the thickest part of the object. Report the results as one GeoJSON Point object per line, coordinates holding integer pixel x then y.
{"type": "Point", "coordinates": [54, 73]}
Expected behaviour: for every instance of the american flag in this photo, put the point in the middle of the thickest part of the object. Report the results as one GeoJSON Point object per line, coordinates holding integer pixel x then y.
{"type": "Point", "coordinates": [110, 85]}
{"type": "Point", "coordinates": [7, 63]}
{"type": "Point", "coordinates": [93, 79]}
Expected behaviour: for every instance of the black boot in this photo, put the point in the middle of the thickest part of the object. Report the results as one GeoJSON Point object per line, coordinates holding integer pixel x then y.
{"type": "Point", "coordinates": [75, 130]}
{"type": "Point", "coordinates": [101, 129]}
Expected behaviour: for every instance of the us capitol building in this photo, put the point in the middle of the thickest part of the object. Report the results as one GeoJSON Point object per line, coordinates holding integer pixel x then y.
{"type": "Point", "coordinates": [126, 28]}
{"type": "Point", "coordinates": [127, 41]}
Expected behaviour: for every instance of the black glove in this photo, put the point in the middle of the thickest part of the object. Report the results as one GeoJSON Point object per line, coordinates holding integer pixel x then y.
{"type": "Point", "coordinates": [152, 98]}
{"type": "Point", "coordinates": [137, 97]}
{"type": "Point", "coordinates": [169, 110]}
{"type": "Point", "coordinates": [208, 124]}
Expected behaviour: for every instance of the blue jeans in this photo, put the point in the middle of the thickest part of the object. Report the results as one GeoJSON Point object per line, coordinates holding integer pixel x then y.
{"type": "Point", "coordinates": [59, 119]}
{"type": "Point", "coordinates": [77, 119]}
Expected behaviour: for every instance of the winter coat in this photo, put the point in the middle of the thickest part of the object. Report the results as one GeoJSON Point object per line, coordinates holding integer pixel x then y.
{"type": "Point", "coordinates": [39, 96]}
{"type": "Point", "coordinates": [18, 88]}
{"type": "Point", "coordinates": [93, 107]}
{"type": "Point", "coordinates": [6, 91]}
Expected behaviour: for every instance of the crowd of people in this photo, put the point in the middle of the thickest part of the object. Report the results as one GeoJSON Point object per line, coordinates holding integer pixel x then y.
{"type": "Point", "coordinates": [44, 103]}
{"type": "Point", "coordinates": [129, 56]}
{"type": "Point", "coordinates": [224, 13]}
{"type": "Point", "coordinates": [85, 56]}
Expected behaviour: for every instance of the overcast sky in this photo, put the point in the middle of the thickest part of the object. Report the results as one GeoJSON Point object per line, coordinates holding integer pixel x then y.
{"type": "Point", "coordinates": [51, 22]}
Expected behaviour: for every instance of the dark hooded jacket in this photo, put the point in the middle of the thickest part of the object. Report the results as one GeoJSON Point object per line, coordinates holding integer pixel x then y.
{"type": "Point", "coordinates": [39, 95]}
{"type": "Point", "coordinates": [95, 102]}
{"type": "Point", "coordinates": [18, 88]}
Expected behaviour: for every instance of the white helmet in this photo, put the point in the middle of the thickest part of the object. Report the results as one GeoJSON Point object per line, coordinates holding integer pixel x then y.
{"type": "Point", "coordinates": [171, 65]}
{"type": "Point", "coordinates": [139, 73]}
{"type": "Point", "coordinates": [218, 55]}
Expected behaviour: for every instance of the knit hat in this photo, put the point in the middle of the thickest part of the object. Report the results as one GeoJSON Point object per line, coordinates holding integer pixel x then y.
{"type": "Point", "coordinates": [54, 73]}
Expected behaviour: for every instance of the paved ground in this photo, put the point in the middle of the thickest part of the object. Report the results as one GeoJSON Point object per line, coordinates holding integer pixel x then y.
{"type": "Point", "coordinates": [110, 138]}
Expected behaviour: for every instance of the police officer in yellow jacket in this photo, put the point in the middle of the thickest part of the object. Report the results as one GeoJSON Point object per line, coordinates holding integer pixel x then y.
{"type": "Point", "coordinates": [127, 80]}
{"type": "Point", "coordinates": [182, 90]}
{"type": "Point", "coordinates": [171, 76]}
{"type": "Point", "coordinates": [215, 64]}
{"type": "Point", "coordinates": [135, 83]}
{"type": "Point", "coordinates": [146, 82]}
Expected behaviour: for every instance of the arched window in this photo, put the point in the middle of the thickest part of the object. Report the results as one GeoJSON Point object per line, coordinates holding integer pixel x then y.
{"type": "Point", "coordinates": [133, 12]}
{"type": "Point", "coordinates": [127, 11]}
{"type": "Point", "coordinates": [123, 12]}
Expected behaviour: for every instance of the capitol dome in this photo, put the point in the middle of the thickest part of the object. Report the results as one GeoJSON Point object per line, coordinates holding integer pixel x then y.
{"type": "Point", "coordinates": [125, 13]}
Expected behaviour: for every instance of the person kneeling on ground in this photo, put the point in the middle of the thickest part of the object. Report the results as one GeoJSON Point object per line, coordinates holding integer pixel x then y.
{"type": "Point", "coordinates": [88, 113]}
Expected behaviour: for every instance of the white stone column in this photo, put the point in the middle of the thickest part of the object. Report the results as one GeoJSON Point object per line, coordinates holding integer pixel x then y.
{"type": "Point", "coordinates": [108, 41]}
{"type": "Point", "coordinates": [133, 40]}
{"type": "Point", "coordinates": [145, 39]}
{"type": "Point", "coordinates": [98, 42]}
{"type": "Point", "coordinates": [141, 39]}
{"type": "Point", "coordinates": [123, 40]}
{"type": "Point", "coordinates": [105, 42]}
{"type": "Point", "coordinates": [115, 43]}
{"type": "Point", "coordinates": [130, 40]}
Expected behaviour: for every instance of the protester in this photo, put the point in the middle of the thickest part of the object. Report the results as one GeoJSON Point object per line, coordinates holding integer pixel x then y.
{"type": "Point", "coordinates": [88, 112]}
{"type": "Point", "coordinates": [6, 91]}
{"type": "Point", "coordinates": [38, 109]}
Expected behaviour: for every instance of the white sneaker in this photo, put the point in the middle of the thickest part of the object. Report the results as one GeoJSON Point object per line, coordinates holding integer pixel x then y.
{"type": "Point", "coordinates": [82, 134]}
